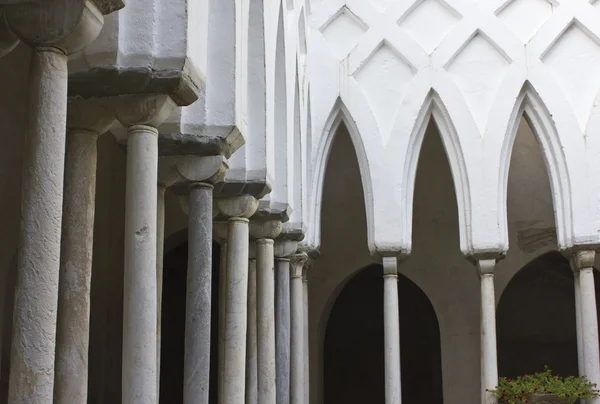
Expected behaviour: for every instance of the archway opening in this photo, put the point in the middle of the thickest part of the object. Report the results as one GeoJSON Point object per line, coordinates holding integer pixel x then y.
{"type": "Point", "coordinates": [354, 350]}
{"type": "Point", "coordinates": [173, 324]}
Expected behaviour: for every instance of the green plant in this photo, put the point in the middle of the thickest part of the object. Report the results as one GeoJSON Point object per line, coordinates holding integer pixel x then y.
{"type": "Point", "coordinates": [519, 390]}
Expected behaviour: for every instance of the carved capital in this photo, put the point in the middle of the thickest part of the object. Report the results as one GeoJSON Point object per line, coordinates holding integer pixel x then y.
{"type": "Point", "coordinates": [143, 110]}
{"type": "Point", "coordinates": [175, 170]}
{"type": "Point", "coordinates": [582, 259]}
{"type": "Point", "coordinates": [267, 229]}
{"type": "Point", "coordinates": [285, 248]}
{"type": "Point", "coordinates": [95, 116]}
{"type": "Point", "coordinates": [240, 206]}
{"type": "Point", "coordinates": [69, 25]}
{"type": "Point", "coordinates": [298, 262]}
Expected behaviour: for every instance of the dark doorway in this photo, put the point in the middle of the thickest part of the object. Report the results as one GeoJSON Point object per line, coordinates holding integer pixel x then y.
{"type": "Point", "coordinates": [536, 323]}
{"type": "Point", "coordinates": [173, 325]}
{"type": "Point", "coordinates": [354, 353]}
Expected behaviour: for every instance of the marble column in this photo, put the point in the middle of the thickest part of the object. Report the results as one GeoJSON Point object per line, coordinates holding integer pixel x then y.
{"type": "Point", "coordinates": [238, 210]}
{"type": "Point", "coordinates": [489, 360]}
{"type": "Point", "coordinates": [86, 122]}
{"type": "Point", "coordinates": [583, 262]}
{"type": "Point", "coordinates": [220, 230]}
{"type": "Point", "coordinates": [198, 301]}
{"type": "Point", "coordinates": [580, 357]}
{"type": "Point", "coordinates": [252, 337]}
{"type": "Point", "coordinates": [284, 249]}
{"type": "Point", "coordinates": [265, 233]}
{"type": "Point", "coordinates": [306, 333]}
{"type": "Point", "coordinates": [391, 321]}
{"type": "Point", "coordinates": [160, 252]}
{"type": "Point", "coordinates": [139, 364]}
{"type": "Point", "coordinates": [36, 298]}
{"type": "Point", "coordinates": [297, 345]}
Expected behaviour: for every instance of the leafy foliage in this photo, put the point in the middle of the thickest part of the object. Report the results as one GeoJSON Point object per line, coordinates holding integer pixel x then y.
{"type": "Point", "coordinates": [519, 390]}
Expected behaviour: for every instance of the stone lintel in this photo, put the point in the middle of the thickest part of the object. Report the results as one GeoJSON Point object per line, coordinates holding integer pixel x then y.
{"type": "Point", "coordinates": [292, 231]}
{"type": "Point", "coordinates": [181, 171]}
{"type": "Point", "coordinates": [273, 210]}
{"type": "Point", "coordinates": [206, 143]}
{"type": "Point", "coordinates": [182, 85]}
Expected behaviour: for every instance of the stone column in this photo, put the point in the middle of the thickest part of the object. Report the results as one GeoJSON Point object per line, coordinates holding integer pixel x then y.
{"type": "Point", "coordinates": [391, 321]}
{"type": "Point", "coordinates": [220, 230]}
{"type": "Point", "coordinates": [283, 250]}
{"type": "Point", "coordinates": [489, 360]}
{"type": "Point", "coordinates": [198, 301]}
{"type": "Point", "coordinates": [160, 252]}
{"type": "Point", "coordinates": [52, 35]}
{"type": "Point", "coordinates": [86, 122]}
{"type": "Point", "coordinates": [580, 357]}
{"type": "Point", "coordinates": [265, 233]}
{"type": "Point", "coordinates": [306, 333]}
{"type": "Point", "coordinates": [583, 262]}
{"type": "Point", "coordinates": [252, 337]}
{"type": "Point", "coordinates": [297, 366]}
{"type": "Point", "coordinates": [238, 210]}
{"type": "Point", "coordinates": [139, 377]}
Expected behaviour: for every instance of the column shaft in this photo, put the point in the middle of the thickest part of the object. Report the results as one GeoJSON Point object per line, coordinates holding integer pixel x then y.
{"type": "Point", "coordinates": [222, 310]}
{"type": "Point", "coordinates": [589, 325]}
{"type": "Point", "coordinates": [252, 338]}
{"type": "Point", "coordinates": [139, 301]}
{"type": "Point", "coordinates": [33, 342]}
{"type": "Point", "coordinates": [391, 321]}
{"type": "Point", "coordinates": [73, 325]}
{"type": "Point", "coordinates": [489, 358]}
{"type": "Point", "coordinates": [306, 342]}
{"type": "Point", "coordinates": [160, 251]}
{"type": "Point", "coordinates": [198, 301]}
{"type": "Point", "coordinates": [265, 320]}
{"type": "Point", "coordinates": [297, 340]}
{"type": "Point", "coordinates": [234, 371]}
{"type": "Point", "coordinates": [580, 357]}
{"type": "Point", "coordinates": [282, 329]}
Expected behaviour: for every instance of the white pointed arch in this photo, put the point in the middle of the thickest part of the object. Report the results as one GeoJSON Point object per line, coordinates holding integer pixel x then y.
{"type": "Point", "coordinates": [339, 114]}
{"type": "Point", "coordinates": [433, 108]}
{"type": "Point", "coordinates": [530, 105]}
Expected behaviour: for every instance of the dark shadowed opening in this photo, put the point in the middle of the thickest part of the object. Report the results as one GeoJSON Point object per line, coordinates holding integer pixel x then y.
{"type": "Point", "coordinates": [354, 352]}
{"type": "Point", "coordinates": [536, 323]}
{"type": "Point", "coordinates": [173, 325]}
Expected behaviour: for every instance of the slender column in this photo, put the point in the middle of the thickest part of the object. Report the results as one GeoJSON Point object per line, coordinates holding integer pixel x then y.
{"type": "Point", "coordinates": [306, 335]}
{"type": "Point", "coordinates": [489, 359]}
{"type": "Point", "coordinates": [220, 230]}
{"type": "Point", "coordinates": [252, 338]}
{"type": "Point", "coordinates": [580, 358]}
{"type": "Point", "coordinates": [198, 302]}
{"type": "Point", "coordinates": [391, 321]}
{"type": "Point", "coordinates": [238, 210]}
{"type": "Point", "coordinates": [284, 250]}
{"type": "Point", "coordinates": [32, 356]}
{"type": "Point", "coordinates": [160, 251]}
{"type": "Point", "coordinates": [53, 35]}
{"type": "Point", "coordinates": [139, 364]}
{"type": "Point", "coordinates": [73, 320]}
{"type": "Point", "coordinates": [297, 329]}
{"type": "Point", "coordinates": [265, 232]}
{"type": "Point", "coordinates": [583, 262]}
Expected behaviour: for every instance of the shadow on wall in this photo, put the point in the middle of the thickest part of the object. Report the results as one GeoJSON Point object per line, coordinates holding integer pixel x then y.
{"type": "Point", "coordinates": [354, 352]}
{"type": "Point", "coordinates": [173, 325]}
{"type": "Point", "coordinates": [536, 319]}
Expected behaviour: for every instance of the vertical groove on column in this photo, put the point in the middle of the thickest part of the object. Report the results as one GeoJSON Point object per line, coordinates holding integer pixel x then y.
{"type": "Point", "coordinates": [73, 326]}
{"type": "Point", "coordinates": [252, 339]}
{"type": "Point", "coordinates": [198, 301]}
{"type": "Point", "coordinates": [391, 321]}
{"type": "Point", "coordinates": [234, 372]}
{"type": "Point", "coordinates": [33, 342]}
{"type": "Point", "coordinates": [139, 301]}
{"type": "Point", "coordinates": [265, 318]}
{"type": "Point", "coordinates": [282, 329]}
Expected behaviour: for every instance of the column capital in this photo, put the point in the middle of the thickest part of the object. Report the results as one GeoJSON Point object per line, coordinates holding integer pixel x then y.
{"type": "Point", "coordinates": [269, 229]}
{"type": "Point", "coordinates": [149, 110]}
{"type": "Point", "coordinates": [485, 266]}
{"type": "Point", "coordinates": [582, 259]}
{"type": "Point", "coordinates": [390, 266]}
{"type": "Point", "coordinates": [176, 171]}
{"type": "Point", "coordinates": [94, 115]}
{"type": "Point", "coordinates": [242, 206]}
{"type": "Point", "coordinates": [298, 262]}
{"type": "Point", "coordinates": [68, 25]}
{"type": "Point", "coordinates": [285, 248]}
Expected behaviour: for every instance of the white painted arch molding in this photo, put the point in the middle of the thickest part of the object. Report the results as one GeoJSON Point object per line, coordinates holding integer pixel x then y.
{"type": "Point", "coordinates": [476, 72]}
